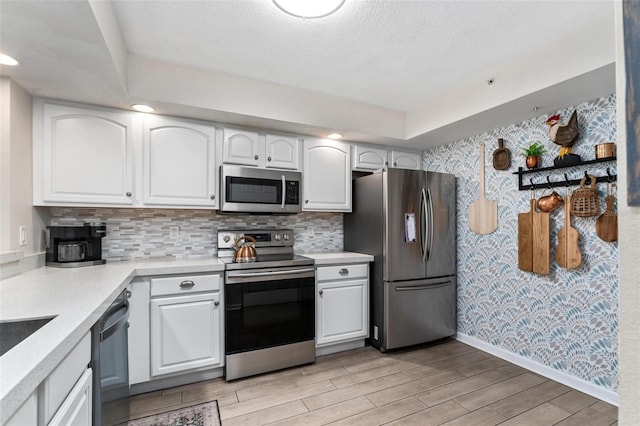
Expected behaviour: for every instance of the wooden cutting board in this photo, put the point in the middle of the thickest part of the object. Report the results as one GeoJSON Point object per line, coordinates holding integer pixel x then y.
{"type": "Point", "coordinates": [541, 237]}
{"type": "Point", "coordinates": [568, 252]}
{"type": "Point", "coordinates": [525, 238]}
{"type": "Point", "coordinates": [483, 213]}
{"type": "Point", "coordinates": [501, 156]}
{"type": "Point", "coordinates": [607, 222]}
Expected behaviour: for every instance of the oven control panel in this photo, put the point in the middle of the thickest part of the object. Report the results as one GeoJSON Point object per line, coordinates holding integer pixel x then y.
{"type": "Point", "coordinates": [264, 237]}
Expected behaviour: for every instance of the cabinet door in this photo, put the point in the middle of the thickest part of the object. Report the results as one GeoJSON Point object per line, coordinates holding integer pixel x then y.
{"type": "Point", "coordinates": [179, 163]}
{"type": "Point", "coordinates": [76, 408]}
{"type": "Point", "coordinates": [282, 152]}
{"type": "Point", "coordinates": [342, 311]}
{"type": "Point", "coordinates": [406, 160]}
{"type": "Point", "coordinates": [241, 147]}
{"type": "Point", "coordinates": [185, 332]}
{"type": "Point", "coordinates": [327, 176]}
{"type": "Point", "coordinates": [368, 158]}
{"type": "Point", "coordinates": [87, 155]}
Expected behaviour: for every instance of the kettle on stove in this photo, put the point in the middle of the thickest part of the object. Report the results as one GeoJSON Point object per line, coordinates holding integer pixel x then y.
{"type": "Point", "coordinates": [245, 252]}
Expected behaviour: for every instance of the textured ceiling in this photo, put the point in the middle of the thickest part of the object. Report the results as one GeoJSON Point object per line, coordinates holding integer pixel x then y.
{"type": "Point", "coordinates": [246, 62]}
{"type": "Point", "coordinates": [393, 54]}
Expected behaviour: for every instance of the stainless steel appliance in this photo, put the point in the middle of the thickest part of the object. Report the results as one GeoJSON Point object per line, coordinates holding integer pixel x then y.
{"type": "Point", "coordinates": [109, 358]}
{"type": "Point", "coordinates": [406, 219]}
{"type": "Point", "coordinates": [251, 190]}
{"type": "Point", "coordinates": [73, 246]}
{"type": "Point", "coordinates": [269, 304]}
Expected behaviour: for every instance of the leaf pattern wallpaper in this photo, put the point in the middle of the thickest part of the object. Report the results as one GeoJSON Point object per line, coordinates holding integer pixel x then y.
{"type": "Point", "coordinates": [567, 320]}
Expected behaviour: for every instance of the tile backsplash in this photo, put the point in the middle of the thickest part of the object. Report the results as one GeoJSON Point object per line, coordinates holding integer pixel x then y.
{"type": "Point", "coordinates": [144, 233]}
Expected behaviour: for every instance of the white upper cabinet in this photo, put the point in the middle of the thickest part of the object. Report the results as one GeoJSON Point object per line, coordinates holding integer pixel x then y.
{"type": "Point", "coordinates": [282, 152]}
{"type": "Point", "coordinates": [82, 156]}
{"type": "Point", "coordinates": [259, 150]}
{"type": "Point", "coordinates": [241, 147]}
{"type": "Point", "coordinates": [367, 158]}
{"type": "Point", "coordinates": [179, 163]}
{"type": "Point", "coordinates": [327, 175]}
{"type": "Point", "coordinates": [406, 160]}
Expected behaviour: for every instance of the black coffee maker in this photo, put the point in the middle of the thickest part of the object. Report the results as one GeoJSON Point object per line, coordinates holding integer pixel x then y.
{"type": "Point", "coordinates": [73, 246]}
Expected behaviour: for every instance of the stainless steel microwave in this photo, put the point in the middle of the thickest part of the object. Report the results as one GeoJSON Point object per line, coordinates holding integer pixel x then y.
{"type": "Point", "coordinates": [251, 190]}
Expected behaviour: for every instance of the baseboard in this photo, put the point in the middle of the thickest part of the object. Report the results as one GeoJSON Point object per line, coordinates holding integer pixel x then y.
{"type": "Point", "coordinates": [543, 370]}
{"type": "Point", "coordinates": [340, 347]}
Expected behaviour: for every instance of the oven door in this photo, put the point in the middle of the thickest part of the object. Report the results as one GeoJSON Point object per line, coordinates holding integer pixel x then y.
{"type": "Point", "coordinates": [250, 190]}
{"type": "Point", "coordinates": [268, 307]}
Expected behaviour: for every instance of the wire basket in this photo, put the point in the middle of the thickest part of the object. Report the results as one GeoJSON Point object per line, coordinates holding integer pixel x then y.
{"type": "Point", "coordinates": [584, 201]}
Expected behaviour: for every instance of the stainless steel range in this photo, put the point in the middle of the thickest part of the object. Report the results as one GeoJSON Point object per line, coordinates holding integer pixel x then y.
{"type": "Point", "coordinates": [269, 304]}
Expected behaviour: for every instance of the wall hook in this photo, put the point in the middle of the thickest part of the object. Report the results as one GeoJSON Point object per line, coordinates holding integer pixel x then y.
{"type": "Point", "coordinates": [566, 180]}
{"type": "Point", "coordinates": [548, 183]}
{"type": "Point", "coordinates": [609, 175]}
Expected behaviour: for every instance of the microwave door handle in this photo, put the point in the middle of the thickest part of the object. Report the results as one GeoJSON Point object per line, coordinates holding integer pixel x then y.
{"type": "Point", "coordinates": [284, 191]}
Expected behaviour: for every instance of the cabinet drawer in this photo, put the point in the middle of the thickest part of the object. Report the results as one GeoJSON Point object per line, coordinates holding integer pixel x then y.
{"type": "Point", "coordinates": [59, 383]}
{"type": "Point", "coordinates": [341, 272]}
{"type": "Point", "coordinates": [185, 284]}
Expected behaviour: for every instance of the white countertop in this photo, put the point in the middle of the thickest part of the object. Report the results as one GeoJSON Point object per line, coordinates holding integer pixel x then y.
{"type": "Point", "coordinates": [338, 257]}
{"type": "Point", "coordinates": [77, 297]}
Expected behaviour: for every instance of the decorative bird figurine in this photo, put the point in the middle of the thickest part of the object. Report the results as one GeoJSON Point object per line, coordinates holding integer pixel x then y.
{"type": "Point", "coordinates": [563, 135]}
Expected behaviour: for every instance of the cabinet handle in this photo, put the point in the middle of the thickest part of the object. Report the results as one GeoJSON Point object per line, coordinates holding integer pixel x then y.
{"type": "Point", "coordinates": [343, 271]}
{"type": "Point", "coordinates": [268, 158]}
{"type": "Point", "coordinates": [255, 157]}
{"type": "Point", "coordinates": [213, 197]}
{"type": "Point", "coordinates": [128, 194]}
{"type": "Point", "coordinates": [320, 292]}
{"type": "Point", "coordinates": [216, 302]}
{"type": "Point", "coordinates": [187, 284]}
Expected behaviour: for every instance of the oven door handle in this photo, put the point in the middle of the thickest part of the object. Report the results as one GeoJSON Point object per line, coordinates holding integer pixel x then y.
{"type": "Point", "coordinates": [265, 274]}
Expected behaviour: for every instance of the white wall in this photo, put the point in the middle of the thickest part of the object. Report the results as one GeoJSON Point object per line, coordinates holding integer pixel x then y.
{"type": "Point", "coordinates": [16, 177]}
{"type": "Point", "coordinates": [629, 244]}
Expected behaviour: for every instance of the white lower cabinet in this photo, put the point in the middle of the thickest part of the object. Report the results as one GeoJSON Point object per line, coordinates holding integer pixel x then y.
{"type": "Point", "coordinates": [342, 304]}
{"type": "Point", "coordinates": [27, 414]}
{"type": "Point", "coordinates": [186, 323]}
{"type": "Point", "coordinates": [76, 410]}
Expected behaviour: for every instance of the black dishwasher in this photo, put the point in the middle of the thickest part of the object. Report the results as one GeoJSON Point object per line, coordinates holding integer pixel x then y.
{"type": "Point", "coordinates": [109, 356]}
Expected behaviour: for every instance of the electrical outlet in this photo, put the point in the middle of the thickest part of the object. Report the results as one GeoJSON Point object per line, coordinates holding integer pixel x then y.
{"type": "Point", "coordinates": [174, 232]}
{"type": "Point", "coordinates": [375, 332]}
{"type": "Point", "coordinates": [22, 232]}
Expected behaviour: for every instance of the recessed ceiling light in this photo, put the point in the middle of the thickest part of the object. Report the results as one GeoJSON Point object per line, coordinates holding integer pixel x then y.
{"type": "Point", "coordinates": [143, 108]}
{"type": "Point", "coordinates": [7, 60]}
{"type": "Point", "coordinates": [309, 9]}
{"type": "Point", "coordinates": [335, 136]}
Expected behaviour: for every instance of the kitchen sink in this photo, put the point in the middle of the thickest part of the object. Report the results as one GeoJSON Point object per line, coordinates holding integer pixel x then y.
{"type": "Point", "coordinates": [14, 332]}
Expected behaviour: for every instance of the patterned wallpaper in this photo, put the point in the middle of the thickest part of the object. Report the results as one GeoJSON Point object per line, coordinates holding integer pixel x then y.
{"type": "Point", "coordinates": [567, 320]}
{"type": "Point", "coordinates": [144, 233]}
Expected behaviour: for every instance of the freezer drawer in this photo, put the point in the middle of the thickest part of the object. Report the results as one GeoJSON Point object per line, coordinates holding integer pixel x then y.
{"type": "Point", "coordinates": [419, 311]}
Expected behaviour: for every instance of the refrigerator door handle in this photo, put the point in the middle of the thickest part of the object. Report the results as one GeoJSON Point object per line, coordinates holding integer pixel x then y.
{"type": "Point", "coordinates": [430, 226]}
{"type": "Point", "coordinates": [423, 229]}
{"type": "Point", "coordinates": [422, 287]}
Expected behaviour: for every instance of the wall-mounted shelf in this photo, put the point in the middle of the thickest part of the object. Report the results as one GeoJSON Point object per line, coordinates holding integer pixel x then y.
{"type": "Point", "coordinates": [566, 181]}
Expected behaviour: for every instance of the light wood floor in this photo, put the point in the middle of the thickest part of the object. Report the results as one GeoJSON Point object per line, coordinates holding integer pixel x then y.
{"type": "Point", "coordinates": [449, 383]}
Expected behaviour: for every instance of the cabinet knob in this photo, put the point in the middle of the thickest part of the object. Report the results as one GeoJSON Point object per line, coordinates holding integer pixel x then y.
{"type": "Point", "coordinates": [395, 164]}
{"type": "Point", "coordinates": [306, 201]}
{"type": "Point", "coordinates": [213, 197]}
{"type": "Point", "coordinates": [255, 157]}
{"type": "Point", "coordinates": [268, 158]}
{"type": "Point", "coordinates": [128, 194]}
{"type": "Point", "coordinates": [320, 292]}
{"type": "Point", "coordinates": [187, 284]}
{"type": "Point", "coordinates": [216, 302]}
{"type": "Point", "coordinates": [343, 271]}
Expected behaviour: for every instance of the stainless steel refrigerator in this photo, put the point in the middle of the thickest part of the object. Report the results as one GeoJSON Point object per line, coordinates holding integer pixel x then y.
{"type": "Point", "coordinates": [406, 219]}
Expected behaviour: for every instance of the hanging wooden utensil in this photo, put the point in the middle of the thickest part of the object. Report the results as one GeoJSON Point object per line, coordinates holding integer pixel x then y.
{"type": "Point", "coordinates": [607, 222]}
{"type": "Point", "coordinates": [567, 251]}
{"type": "Point", "coordinates": [501, 157]}
{"type": "Point", "coordinates": [483, 213]}
{"type": "Point", "coordinates": [541, 236]}
{"type": "Point", "coordinates": [525, 237]}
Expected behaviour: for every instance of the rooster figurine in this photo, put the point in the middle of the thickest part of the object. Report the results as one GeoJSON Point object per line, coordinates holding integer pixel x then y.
{"type": "Point", "coordinates": [563, 135]}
